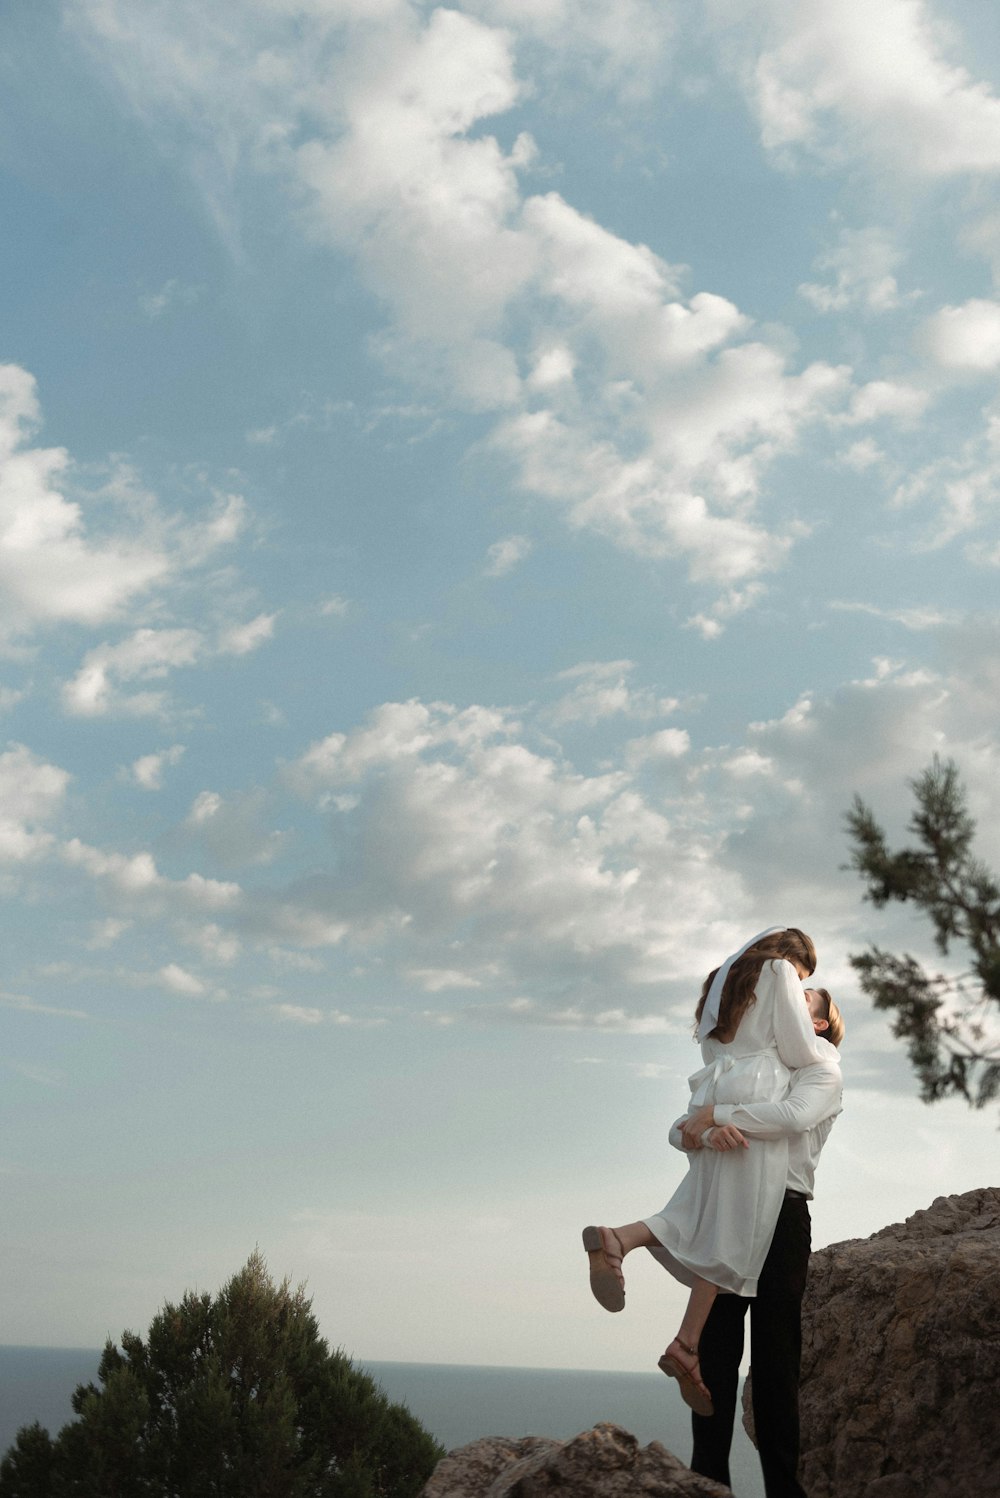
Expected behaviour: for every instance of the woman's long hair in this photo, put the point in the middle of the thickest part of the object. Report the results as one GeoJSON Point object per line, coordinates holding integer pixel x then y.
{"type": "Point", "coordinates": [739, 990]}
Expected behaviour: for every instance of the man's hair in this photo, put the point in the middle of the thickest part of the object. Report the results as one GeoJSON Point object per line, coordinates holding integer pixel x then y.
{"type": "Point", "coordinates": [739, 990]}
{"type": "Point", "coordinates": [829, 1011]}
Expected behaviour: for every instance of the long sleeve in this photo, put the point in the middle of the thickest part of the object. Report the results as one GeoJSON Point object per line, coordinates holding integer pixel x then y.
{"type": "Point", "coordinates": [793, 1030]}
{"type": "Point", "coordinates": [815, 1096]}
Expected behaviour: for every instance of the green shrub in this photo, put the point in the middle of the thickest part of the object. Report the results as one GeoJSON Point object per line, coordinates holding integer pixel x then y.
{"type": "Point", "coordinates": [236, 1396]}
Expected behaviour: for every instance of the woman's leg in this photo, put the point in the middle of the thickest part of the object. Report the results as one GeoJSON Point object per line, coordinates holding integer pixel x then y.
{"type": "Point", "coordinates": [700, 1302]}
{"type": "Point", "coordinates": [635, 1235]}
{"type": "Point", "coordinates": [680, 1360]}
{"type": "Point", "coordinates": [606, 1248]}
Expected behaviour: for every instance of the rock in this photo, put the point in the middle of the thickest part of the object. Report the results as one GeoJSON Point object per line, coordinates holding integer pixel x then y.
{"type": "Point", "coordinates": [606, 1462]}
{"type": "Point", "coordinates": [901, 1358]}
{"type": "Point", "coordinates": [469, 1470]}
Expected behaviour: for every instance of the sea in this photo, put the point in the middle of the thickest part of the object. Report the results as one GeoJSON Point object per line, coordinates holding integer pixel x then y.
{"type": "Point", "coordinates": [458, 1403]}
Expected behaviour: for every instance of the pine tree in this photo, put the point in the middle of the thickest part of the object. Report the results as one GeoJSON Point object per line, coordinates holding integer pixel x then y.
{"type": "Point", "coordinates": [949, 1021]}
{"type": "Point", "coordinates": [232, 1396]}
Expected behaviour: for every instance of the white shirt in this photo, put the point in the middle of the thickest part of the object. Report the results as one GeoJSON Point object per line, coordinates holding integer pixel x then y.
{"type": "Point", "coordinates": [805, 1115]}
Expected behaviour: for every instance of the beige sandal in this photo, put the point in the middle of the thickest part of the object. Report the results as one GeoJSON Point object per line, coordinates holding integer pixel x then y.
{"type": "Point", "coordinates": [694, 1392]}
{"type": "Point", "coordinates": [606, 1279]}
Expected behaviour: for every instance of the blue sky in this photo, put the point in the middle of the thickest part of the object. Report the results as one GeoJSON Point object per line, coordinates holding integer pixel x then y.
{"type": "Point", "coordinates": [480, 490]}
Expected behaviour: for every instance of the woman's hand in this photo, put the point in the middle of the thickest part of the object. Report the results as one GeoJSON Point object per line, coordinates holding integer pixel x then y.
{"type": "Point", "coordinates": [725, 1137]}
{"type": "Point", "coordinates": [695, 1125]}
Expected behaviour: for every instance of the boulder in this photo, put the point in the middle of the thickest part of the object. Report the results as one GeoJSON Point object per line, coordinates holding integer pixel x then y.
{"type": "Point", "coordinates": [901, 1358]}
{"type": "Point", "coordinates": [606, 1462]}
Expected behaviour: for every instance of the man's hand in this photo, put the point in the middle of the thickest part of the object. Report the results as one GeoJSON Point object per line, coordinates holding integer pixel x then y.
{"type": "Point", "coordinates": [695, 1125]}
{"type": "Point", "coordinates": [725, 1137]}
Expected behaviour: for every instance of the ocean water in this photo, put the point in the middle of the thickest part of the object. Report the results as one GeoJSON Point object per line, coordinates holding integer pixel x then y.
{"type": "Point", "coordinates": [457, 1403]}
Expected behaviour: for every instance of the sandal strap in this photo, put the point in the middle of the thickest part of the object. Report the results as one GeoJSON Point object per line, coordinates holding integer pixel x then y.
{"type": "Point", "coordinates": [614, 1260]}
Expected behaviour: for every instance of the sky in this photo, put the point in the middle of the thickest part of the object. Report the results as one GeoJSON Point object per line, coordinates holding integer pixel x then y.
{"type": "Point", "coordinates": [481, 490]}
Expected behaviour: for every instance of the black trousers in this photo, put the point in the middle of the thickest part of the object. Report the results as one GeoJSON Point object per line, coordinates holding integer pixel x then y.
{"type": "Point", "coordinates": [776, 1354]}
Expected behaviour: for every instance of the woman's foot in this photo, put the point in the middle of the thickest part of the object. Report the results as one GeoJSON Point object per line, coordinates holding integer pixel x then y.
{"type": "Point", "coordinates": [606, 1279]}
{"type": "Point", "coordinates": [681, 1362]}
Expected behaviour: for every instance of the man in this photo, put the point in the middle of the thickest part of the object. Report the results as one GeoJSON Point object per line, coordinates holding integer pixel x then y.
{"type": "Point", "coordinates": [806, 1117]}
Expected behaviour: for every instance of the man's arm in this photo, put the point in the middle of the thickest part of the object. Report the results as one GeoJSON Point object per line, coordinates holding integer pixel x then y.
{"type": "Point", "coordinates": [815, 1095]}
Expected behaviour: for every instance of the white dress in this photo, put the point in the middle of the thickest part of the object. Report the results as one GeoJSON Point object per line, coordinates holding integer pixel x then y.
{"type": "Point", "coordinates": [719, 1222]}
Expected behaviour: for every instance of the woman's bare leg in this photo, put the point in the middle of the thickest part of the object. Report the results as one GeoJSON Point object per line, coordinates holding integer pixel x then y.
{"type": "Point", "coordinates": [606, 1248]}
{"type": "Point", "coordinates": [635, 1235]}
{"type": "Point", "coordinates": [700, 1303]}
{"type": "Point", "coordinates": [701, 1298]}
{"type": "Point", "coordinates": [681, 1357]}
{"type": "Point", "coordinates": [608, 1284]}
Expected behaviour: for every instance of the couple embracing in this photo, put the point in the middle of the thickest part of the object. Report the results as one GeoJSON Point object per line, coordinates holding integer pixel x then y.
{"type": "Point", "coordinates": [736, 1231]}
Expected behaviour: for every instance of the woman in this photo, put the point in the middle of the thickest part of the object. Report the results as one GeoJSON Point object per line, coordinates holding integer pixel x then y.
{"type": "Point", "coordinates": [754, 1025]}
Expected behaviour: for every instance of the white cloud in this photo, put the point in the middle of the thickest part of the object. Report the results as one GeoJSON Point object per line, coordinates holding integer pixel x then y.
{"type": "Point", "coordinates": [625, 46]}
{"type": "Point", "coordinates": [234, 832]}
{"type": "Point", "coordinates": [151, 655]}
{"type": "Point", "coordinates": [557, 880]}
{"type": "Point", "coordinates": [437, 979]}
{"type": "Point", "coordinates": [881, 400]}
{"type": "Point", "coordinates": [106, 933]}
{"type": "Point", "coordinates": [147, 655]}
{"type": "Point", "coordinates": [135, 878]}
{"type": "Point", "coordinates": [406, 183]}
{"type": "Point", "coordinates": [172, 293]}
{"type": "Point", "coordinates": [965, 337]}
{"type": "Point", "coordinates": [49, 570]}
{"type": "Point", "coordinates": [665, 746]}
{"type": "Point", "coordinates": [733, 601]}
{"type": "Point", "coordinates": [305, 1014]}
{"type": "Point", "coordinates": [654, 506]}
{"type": "Point", "coordinates": [917, 619]}
{"type": "Point", "coordinates": [299, 1014]}
{"type": "Point", "coordinates": [214, 943]}
{"type": "Point", "coordinates": [862, 455]}
{"type": "Point", "coordinates": [786, 790]}
{"type": "Point", "coordinates": [28, 1005]}
{"type": "Point", "coordinates": [553, 365]}
{"type": "Point", "coordinates": [147, 770]}
{"type": "Point", "coordinates": [299, 962]}
{"type": "Point", "coordinates": [861, 265]}
{"type": "Point", "coordinates": [98, 558]}
{"type": "Point", "coordinates": [706, 441]}
{"type": "Point", "coordinates": [31, 794]}
{"type": "Point", "coordinates": [335, 606]}
{"type": "Point", "coordinates": [395, 731]}
{"type": "Point", "coordinates": [177, 979]}
{"type": "Point", "coordinates": [615, 284]}
{"type": "Point", "coordinates": [875, 79]}
{"type": "Point", "coordinates": [504, 555]}
{"type": "Point", "coordinates": [959, 494]}
{"type": "Point", "coordinates": [524, 1011]}
{"type": "Point", "coordinates": [457, 826]}
{"type": "Point", "coordinates": [197, 540]}
{"type": "Point", "coordinates": [602, 690]}
{"type": "Point", "coordinates": [241, 639]}
{"type": "Point", "coordinates": [473, 857]}
{"type": "Point", "coordinates": [633, 407]}
{"type": "Point", "coordinates": [981, 236]}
